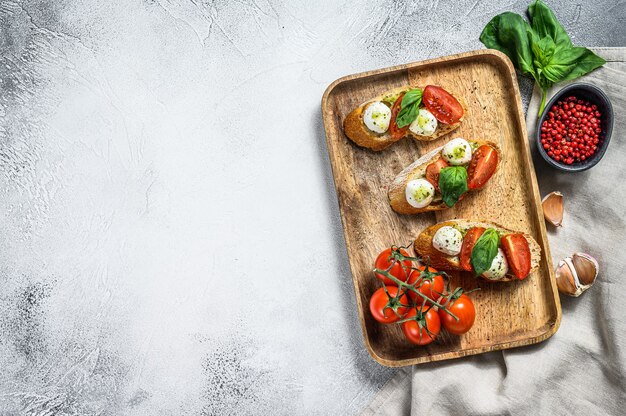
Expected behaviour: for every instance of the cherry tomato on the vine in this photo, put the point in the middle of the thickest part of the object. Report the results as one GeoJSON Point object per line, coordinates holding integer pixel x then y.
{"type": "Point", "coordinates": [431, 286]}
{"type": "Point", "coordinates": [425, 329]}
{"type": "Point", "coordinates": [463, 308]}
{"type": "Point", "coordinates": [386, 309]}
{"type": "Point", "coordinates": [385, 260]}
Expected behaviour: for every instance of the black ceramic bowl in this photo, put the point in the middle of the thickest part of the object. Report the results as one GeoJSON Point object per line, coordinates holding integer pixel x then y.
{"type": "Point", "coordinates": [595, 96]}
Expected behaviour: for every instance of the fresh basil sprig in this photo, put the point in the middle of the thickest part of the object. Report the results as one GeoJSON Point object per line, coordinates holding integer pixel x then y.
{"type": "Point", "coordinates": [541, 49]}
{"type": "Point", "coordinates": [484, 251]}
{"type": "Point", "coordinates": [453, 184]}
{"type": "Point", "coordinates": [409, 107]}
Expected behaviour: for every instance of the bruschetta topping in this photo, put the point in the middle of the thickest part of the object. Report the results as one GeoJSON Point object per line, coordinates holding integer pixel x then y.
{"type": "Point", "coordinates": [425, 124]}
{"type": "Point", "coordinates": [516, 248]}
{"type": "Point", "coordinates": [482, 166]}
{"type": "Point", "coordinates": [419, 193]}
{"type": "Point", "coordinates": [457, 152]}
{"type": "Point", "coordinates": [432, 172]}
{"type": "Point", "coordinates": [377, 116]}
{"type": "Point", "coordinates": [448, 240]}
{"type": "Point", "coordinates": [442, 104]}
{"type": "Point", "coordinates": [469, 240]}
{"type": "Point", "coordinates": [499, 267]}
{"type": "Point", "coordinates": [395, 131]}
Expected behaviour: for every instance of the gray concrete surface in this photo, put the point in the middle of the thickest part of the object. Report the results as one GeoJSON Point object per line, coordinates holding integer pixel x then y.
{"type": "Point", "coordinates": [170, 237]}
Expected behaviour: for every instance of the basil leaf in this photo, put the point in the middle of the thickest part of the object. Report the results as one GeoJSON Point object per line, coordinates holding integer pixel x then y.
{"type": "Point", "coordinates": [572, 63]}
{"type": "Point", "coordinates": [545, 23]}
{"type": "Point", "coordinates": [541, 49]}
{"type": "Point", "coordinates": [508, 33]}
{"type": "Point", "coordinates": [409, 107]}
{"type": "Point", "coordinates": [484, 251]}
{"type": "Point", "coordinates": [453, 184]}
{"type": "Point", "coordinates": [411, 97]}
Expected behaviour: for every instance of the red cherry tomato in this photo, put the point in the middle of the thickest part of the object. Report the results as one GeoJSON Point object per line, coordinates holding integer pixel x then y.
{"type": "Point", "coordinates": [394, 131]}
{"type": "Point", "coordinates": [426, 330]}
{"type": "Point", "coordinates": [433, 170]}
{"type": "Point", "coordinates": [442, 104]}
{"type": "Point", "coordinates": [430, 286]}
{"type": "Point", "coordinates": [482, 166]}
{"type": "Point", "coordinates": [382, 306]}
{"type": "Point", "coordinates": [472, 235]}
{"type": "Point", "coordinates": [517, 252]}
{"type": "Point", "coordinates": [384, 262]}
{"type": "Point", "coordinates": [463, 308]}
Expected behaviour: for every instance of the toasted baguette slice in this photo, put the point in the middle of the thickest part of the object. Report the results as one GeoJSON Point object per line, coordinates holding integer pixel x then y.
{"type": "Point", "coordinates": [423, 246]}
{"type": "Point", "coordinates": [355, 128]}
{"type": "Point", "coordinates": [417, 169]}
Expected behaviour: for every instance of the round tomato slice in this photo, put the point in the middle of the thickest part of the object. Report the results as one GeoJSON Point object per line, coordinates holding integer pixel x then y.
{"type": "Point", "coordinates": [386, 309]}
{"type": "Point", "coordinates": [442, 104]}
{"type": "Point", "coordinates": [472, 235]}
{"type": "Point", "coordinates": [431, 286]}
{"type": "Point", "coordinates": [425, 328]}
{"type": "Point", "coordinates": [463, 308]}
{"type": "Point", "coordinates": [433, 170]}
{"type": "Point", "coordinates": [517, 252]}
{"type": "Point", "coordinates": [397, 268]}
{"type": "Point", "coordinates": [482, 166]}
{"type": "Point", "coordinates": [394, 131]}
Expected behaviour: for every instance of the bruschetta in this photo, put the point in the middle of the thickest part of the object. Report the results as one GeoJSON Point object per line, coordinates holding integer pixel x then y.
{"type": "Point", "coordinates": [440, 178]}
{"type": "Point", "coordinates": [423, 113]}
{"type": "Point", "coordinates": [486, 249]}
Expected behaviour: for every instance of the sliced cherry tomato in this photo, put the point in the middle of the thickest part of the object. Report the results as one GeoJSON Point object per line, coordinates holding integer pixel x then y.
{"type": "Point", "coordinates": [426, 330]}
{"type": "Point", "coordinates": [384, 262]}
{"type": "Point", "coordinates": [472, 235]}
{"type": "Point", "coordinates": [432, 172]}
{"type": "Point", "coordinates": [463, 308]}
{"type": "Point", "coordinates": [431, 286]}
{"type": "Point", "coordinates": [394, 131]}
{"type": "Point", "coordinates": [482, 166]}
{"type": "Point", "coordinates": [517, 252]}
{"type": "Point", "coordinates": [442, 104]}
{"type": "Point", "coordinates": [386, 309]}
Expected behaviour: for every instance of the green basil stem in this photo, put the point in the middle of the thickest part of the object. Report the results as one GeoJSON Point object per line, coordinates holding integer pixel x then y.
{"type": "Point", "coordinates": [401, 284]}
{"type": "Point", "coordinates": [544, 93]}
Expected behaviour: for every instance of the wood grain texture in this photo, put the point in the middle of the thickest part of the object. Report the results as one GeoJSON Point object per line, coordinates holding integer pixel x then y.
{"type": "Point", "coordinates": [508, 314]}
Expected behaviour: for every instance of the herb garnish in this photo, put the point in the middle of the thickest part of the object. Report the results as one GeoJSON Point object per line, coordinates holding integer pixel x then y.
{"type": "Point", "coordinates": [484, 251]}
{"type": "Point", "coordinates": [453, 184]}
{"type": "Point", "coordinates": [409, 107]}
{"type": "Point", "coordinates": [541, 49]}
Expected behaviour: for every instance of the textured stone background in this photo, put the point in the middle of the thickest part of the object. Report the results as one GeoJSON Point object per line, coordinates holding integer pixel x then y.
{"type": "Point", "coordinates": [170, 238]}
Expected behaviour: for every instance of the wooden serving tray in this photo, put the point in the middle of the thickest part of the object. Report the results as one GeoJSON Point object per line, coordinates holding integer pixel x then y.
{"type": "Point", "coordinates": [508, 314]}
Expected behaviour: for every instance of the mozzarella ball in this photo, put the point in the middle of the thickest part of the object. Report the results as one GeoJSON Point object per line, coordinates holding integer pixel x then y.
{"type": "Point", "coordinates": [499, 267]}
{"type": "Point", "coordinates": [448, 240]}
{"type": "Point", "coordinates": [457, 152]}
{"type": "Point", "coordinates": [419, 193]}
{"type": "Point", "coordinates": [377, 117]}
{"type": "Point", "coordinates": [425, 124]}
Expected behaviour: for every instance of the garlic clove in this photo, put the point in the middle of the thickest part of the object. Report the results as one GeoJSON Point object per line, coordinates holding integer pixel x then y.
{"type": "Point", "coordinates": [586, 267]}
{"type": "Point", "coordinates": [576, 274]}
{"type": "Point", "coordinates": [553, 208]}
{"type": "Point", "coordinates": [565, 280]}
